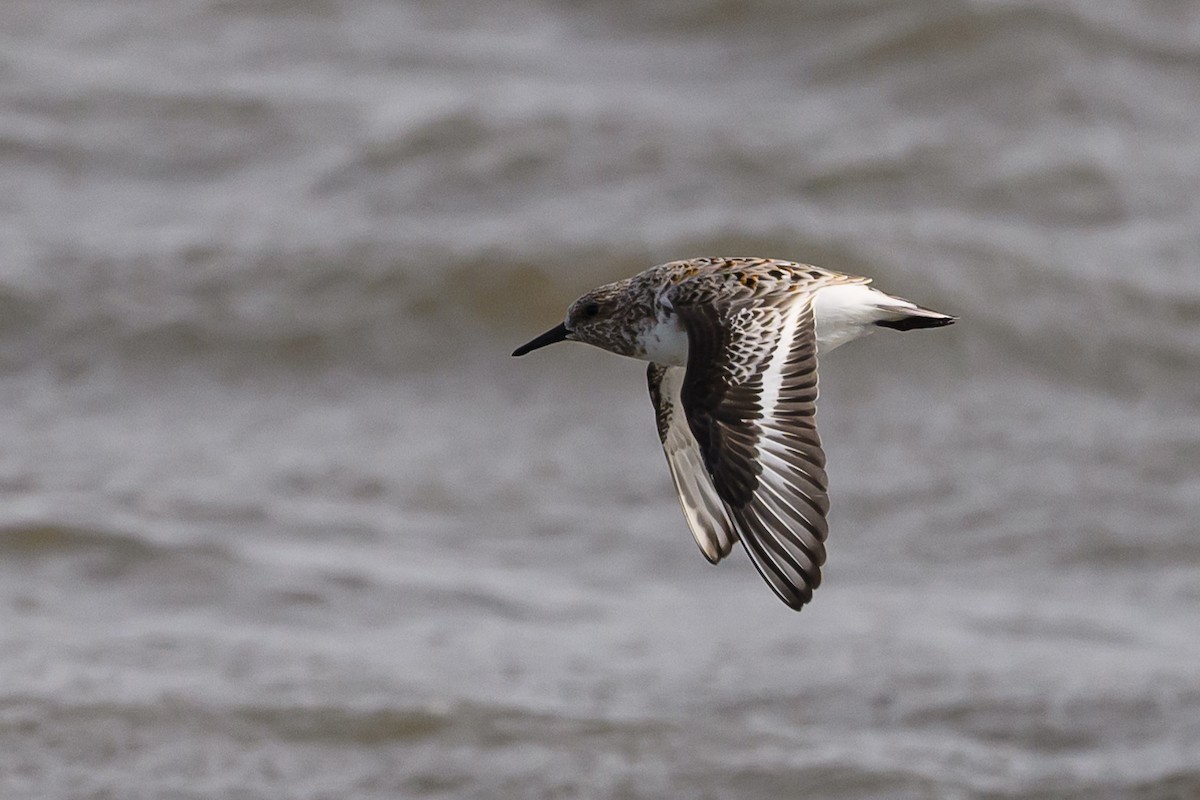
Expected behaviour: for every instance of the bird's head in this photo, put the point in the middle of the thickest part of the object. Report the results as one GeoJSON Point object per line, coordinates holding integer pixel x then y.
{"type": "Point", "coordinates": [596, 318]}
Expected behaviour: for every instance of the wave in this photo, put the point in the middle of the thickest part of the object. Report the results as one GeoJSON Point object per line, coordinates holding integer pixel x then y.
{"type": "Point", "coordinates": [102, 556]}
{"type": "Point", "coordinates": [355, 306]}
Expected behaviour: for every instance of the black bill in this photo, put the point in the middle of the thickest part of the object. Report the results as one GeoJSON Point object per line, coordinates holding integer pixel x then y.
{"type": "Point", "coordinates": [549, 337]}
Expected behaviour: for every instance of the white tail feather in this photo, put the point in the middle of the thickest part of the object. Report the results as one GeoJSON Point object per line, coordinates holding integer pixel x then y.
{"type": "Point", "coordinates": [846, 312]}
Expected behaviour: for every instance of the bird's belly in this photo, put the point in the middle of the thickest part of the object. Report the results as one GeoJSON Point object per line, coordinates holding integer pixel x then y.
{"type": "Point", "coordinates": [665, 342]}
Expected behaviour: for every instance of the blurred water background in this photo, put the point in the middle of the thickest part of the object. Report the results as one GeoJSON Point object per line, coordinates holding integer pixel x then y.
{"type": "Point", "coordinates": [281, 518]}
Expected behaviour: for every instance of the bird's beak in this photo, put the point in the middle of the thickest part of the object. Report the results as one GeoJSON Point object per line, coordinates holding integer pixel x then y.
{"type": "Point", "coordinates": [549, 337]}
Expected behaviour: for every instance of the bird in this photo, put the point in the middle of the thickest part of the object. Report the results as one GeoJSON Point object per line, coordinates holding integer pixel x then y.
{"type": "Point", "coordinates": [733, 345]}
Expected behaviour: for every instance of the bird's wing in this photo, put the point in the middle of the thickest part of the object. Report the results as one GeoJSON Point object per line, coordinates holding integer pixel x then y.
{"type": "Point", "coordinates": [749, 394]}
{"type": "Point", "coordinates": [702, 507]}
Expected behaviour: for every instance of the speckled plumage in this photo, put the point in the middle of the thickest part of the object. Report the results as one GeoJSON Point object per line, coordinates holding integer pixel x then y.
{"type": "Point", "coordinates": [638, 302]}
{"type": "Point", "coordinates": [732, 345]}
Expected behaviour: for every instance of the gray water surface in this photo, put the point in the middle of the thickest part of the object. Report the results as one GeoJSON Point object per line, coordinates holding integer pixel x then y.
{"type": "Point", "coordinates": [282, 519]}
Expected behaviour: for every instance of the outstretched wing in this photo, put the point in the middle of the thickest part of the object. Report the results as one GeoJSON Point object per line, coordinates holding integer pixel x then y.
{"type": "Point", "coordinates": [750, 394]}
{"type": "Point", "coordinates": [702, 506]}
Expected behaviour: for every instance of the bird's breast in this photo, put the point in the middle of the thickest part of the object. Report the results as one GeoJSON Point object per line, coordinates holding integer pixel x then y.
{"type": "Point", "coordinates": [665, 341]}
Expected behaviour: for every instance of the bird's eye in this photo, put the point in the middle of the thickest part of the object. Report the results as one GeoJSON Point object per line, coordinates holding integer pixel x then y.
{"type": "Point", "coordinates": [591, 310]}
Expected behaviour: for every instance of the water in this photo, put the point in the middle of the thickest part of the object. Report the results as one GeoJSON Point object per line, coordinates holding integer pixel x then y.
{"type": "Point", "coordinates": [282, 519]}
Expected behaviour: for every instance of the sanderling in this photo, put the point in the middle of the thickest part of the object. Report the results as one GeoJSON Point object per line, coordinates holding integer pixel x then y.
{"type": "Point", "coordinates": [732, 345]}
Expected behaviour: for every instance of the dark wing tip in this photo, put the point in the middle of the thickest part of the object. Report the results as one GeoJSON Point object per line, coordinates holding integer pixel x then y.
{"type": "Point", "coordinates": [917, 322]}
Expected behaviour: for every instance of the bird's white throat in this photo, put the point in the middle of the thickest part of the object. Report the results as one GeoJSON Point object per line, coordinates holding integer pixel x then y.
{"type": "Point", "coordinates": [665, 342]}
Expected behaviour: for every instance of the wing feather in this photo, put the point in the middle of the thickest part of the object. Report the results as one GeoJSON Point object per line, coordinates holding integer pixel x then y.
{"type": "Point", "coordinates": [749, 395]}
{"type": "Point", "coordinates": [702, 506]}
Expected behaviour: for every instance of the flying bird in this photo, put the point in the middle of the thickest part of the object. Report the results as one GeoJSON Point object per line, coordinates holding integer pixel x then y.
{"type": "Point", "coordinates": [732, 345]}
